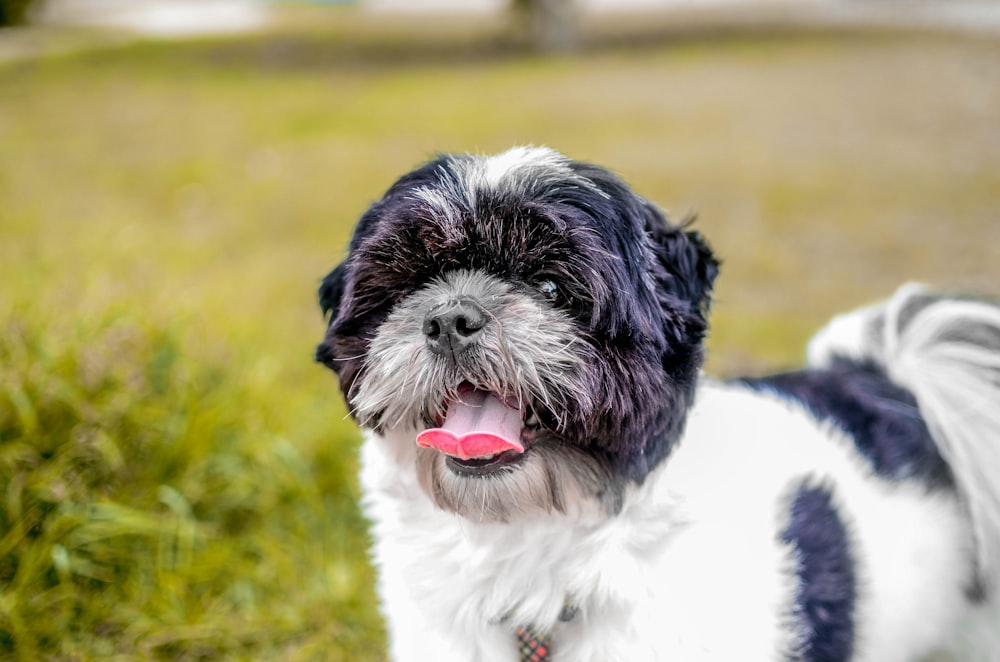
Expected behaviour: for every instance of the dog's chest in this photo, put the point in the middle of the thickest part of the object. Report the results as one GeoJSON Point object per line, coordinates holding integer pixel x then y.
{"type": "Point", "coordinates": [471, 582]}
{"type": "Point", "coordinates": [645, 582]}
{"type": "Point", "coordinates": [481, 573]}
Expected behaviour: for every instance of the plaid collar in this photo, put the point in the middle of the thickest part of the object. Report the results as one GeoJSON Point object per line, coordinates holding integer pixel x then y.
{"type": "Point", "coordinates": [534, 645]}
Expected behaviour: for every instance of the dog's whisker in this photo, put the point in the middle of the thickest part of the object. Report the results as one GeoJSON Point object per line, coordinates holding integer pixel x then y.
{"type": "Point", "coordinates": [346, 358]}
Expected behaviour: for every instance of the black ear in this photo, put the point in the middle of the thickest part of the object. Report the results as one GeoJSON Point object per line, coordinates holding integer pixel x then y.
{"type": "Point", "coordinates": [693, 266]}
{"type": "Point", "coordinates": [331, 292]}
{"type": "Point", "coordinates": [687, 267]}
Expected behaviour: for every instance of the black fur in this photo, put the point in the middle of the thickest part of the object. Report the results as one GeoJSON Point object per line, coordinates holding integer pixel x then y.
{"type": "Point", "coordinates": [881, 418]}
{"type": "Point", "coordinates": [827, 579]}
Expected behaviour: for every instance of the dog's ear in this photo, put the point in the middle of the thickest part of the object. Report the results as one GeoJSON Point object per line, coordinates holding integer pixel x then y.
{"type": "Point", "coordinates": [334, 288]}
{"type": "Point", "coordinates": [686, 268]}
{"type": "Point", "coordinates": [331, 293]}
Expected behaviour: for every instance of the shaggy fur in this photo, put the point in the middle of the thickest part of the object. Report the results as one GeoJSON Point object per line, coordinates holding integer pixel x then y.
{"type": "Point", "coordinates": [849, 511]}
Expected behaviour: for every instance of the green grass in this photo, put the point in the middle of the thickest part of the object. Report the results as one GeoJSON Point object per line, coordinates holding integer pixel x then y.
{"type": "Point", "coordinates": [153, 508]}
{"type": "Point", "coordinates": [178, 476]}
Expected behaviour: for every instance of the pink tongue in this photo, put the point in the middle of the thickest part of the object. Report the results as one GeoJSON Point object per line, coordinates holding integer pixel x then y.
{"type": "Point", "coordinates": [479, 425]}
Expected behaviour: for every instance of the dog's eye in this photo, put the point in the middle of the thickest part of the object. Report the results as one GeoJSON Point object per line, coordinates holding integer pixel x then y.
{"type": "Point", "coordinates": [549, 290]}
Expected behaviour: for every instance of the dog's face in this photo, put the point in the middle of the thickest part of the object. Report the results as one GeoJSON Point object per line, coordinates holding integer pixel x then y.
{"type": "Point", "coordinates": [532, 320]}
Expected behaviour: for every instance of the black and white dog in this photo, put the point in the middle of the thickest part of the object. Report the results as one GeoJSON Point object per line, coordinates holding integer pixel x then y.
{"type": "Point", "coordinates": [545, 467]}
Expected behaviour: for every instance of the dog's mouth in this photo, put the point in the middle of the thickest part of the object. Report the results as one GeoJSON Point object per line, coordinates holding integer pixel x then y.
{"type": "Point", "coordinates": [481, 432]}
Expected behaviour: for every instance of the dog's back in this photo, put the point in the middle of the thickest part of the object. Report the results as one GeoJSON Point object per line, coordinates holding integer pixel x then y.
{"type": "Point", "coordinates": [879, 462]}
{"type": "Point", "coordinates": [945, 351]}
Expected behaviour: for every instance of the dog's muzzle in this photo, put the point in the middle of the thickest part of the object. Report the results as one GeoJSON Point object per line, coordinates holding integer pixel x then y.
{"type": "Point", "coordinates": [480, 431]}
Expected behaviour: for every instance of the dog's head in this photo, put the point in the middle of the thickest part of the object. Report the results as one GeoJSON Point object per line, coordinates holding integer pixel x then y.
{"type": "Point", "coordinates": [534, 321]}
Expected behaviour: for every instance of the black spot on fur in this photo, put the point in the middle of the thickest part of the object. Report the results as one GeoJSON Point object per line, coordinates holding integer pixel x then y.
{"type": "Point", "coordinates": [827, 581]}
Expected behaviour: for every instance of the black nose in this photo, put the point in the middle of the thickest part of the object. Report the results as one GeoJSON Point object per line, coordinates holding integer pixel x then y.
{"type": "Point", "coordinates": [453, 327]}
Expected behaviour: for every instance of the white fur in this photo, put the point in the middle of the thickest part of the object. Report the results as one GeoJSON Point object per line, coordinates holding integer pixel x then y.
{"type": "Point", "coordinates": [519, 169]}
{"type": "Point", "coordinates": [443, 209]}
{"type": "Point", "coordinates": [693, 567]}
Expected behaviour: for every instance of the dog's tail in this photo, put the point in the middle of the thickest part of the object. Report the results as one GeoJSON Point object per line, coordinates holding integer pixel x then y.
{"type": "Point", "coordinates": [945, 350]}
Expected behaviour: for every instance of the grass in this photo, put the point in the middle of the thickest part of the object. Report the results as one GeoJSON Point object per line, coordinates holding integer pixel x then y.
{"type": "Point", "coordinates": [178, 476]}
{"type": "Point", "coordinates": [148, 514]}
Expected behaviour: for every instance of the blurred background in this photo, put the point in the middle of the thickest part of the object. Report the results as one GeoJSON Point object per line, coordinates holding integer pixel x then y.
{"type": "Point", "coordinates": [177, 477]}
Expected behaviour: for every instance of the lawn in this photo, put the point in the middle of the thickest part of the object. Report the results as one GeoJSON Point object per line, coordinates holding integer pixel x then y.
{"type": "Point", "coordinates": [177, 474]}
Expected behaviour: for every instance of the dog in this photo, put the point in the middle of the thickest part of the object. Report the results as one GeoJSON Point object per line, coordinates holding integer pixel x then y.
{"type": "Point", "coordinates": [549, 475]}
